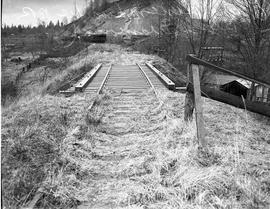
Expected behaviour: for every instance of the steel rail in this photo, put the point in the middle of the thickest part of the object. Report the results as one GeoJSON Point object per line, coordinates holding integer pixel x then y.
{"type": "Point", "coordinates": [148, 79]}
{"type": "Point", "coordinates": [104, 80]}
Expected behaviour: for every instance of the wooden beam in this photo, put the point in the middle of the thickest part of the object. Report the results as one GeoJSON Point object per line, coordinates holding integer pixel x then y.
{"type": "Point", "coordinates": [168, 83]}
{"type": "Point", "coordinates": [196, 61]}
{"type": "Point", "coordinates": [198, 105]}
{"type": "Point", "coordinates": [87, 78]}
{"type": "Point", "coordinates": [189, 99]}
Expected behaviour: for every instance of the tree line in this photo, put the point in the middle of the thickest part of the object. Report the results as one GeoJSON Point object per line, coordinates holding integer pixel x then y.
{"type": "Point", "coordinates": [42, 26]}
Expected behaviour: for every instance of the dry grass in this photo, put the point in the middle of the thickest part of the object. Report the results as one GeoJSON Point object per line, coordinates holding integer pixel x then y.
{"type": "Point", "coordinates": [32, 135]}
{"type": "Point", "coordinates": [76, 157]}
{"type": "Point", "coordinates": [157, 164]}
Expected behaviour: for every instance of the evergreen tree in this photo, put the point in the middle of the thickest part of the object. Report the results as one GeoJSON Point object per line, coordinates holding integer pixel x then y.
{"type": "Point", "coordinates": [57, 24]}
{"type": "Point", "coordinates": [50, 25]}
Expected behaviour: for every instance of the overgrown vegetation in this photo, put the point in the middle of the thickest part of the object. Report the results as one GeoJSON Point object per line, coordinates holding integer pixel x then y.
{"type": "Point", "coordinates": [144, 156]}
{"type": "Point", "coordinates": [76, 156]}
{"type": "Point", "coordinates": [36, 149]}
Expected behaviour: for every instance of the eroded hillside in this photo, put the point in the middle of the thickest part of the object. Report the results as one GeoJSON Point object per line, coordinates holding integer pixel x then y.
{"type": "Point", "coordinates": [124, 17]}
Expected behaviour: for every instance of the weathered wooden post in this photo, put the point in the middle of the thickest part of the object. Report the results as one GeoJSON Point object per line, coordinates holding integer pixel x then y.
{"type": "Point", "coordinates": [198, 105]}
{"type": "Point", "coordinates": [193, 99]}
{"type": "Point", "coordinates": [189, 100]}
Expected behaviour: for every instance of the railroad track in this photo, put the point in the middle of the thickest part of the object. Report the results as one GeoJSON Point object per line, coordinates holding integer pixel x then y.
{"type": "Point", "coordinates": [131, 100]}
{"type": "Point", "coordinates": [124, 78]}
{"type": "Point", "coordinates": [133, 82]}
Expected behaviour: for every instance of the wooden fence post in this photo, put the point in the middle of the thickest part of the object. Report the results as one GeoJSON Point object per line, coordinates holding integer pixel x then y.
{"type": "Point", "coordinates": [198, 105]}
{"type": "Point", "coordinates": [189, 100]}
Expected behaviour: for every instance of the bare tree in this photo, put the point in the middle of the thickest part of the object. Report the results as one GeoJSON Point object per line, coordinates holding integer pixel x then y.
{"type": "Point", "coordinates": [253, 21]}
{"type": "Point", "coordinates": [198, 28]}
{"type": "Point", "coordinates": [169, 13]}
{"type": "Point", "coordinates": [199, 20]}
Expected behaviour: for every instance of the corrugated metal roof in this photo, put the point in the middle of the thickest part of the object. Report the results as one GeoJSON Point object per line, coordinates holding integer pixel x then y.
{"type": "Point", "coordinates": [244, 82]}
{"type": "Point", "coordinates": [220, 79]}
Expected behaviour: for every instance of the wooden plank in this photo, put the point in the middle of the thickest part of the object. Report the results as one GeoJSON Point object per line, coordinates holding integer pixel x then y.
{"type": "Point", "coordinates": [168, 83]}
{"type": "Point", "coordinates": [68, 85]}
{"type": "Point", "coordinates": [189, 99]}
{"type": "Point", "coordinates": [198, 105]}
{"type": "Point", "coordinates": [196, 61]}
{"type": "Point", "coordinates": [87, 78]}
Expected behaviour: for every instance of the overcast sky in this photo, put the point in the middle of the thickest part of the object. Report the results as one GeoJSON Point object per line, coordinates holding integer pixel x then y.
{"type": "Point", "coordinates": [27, 12]}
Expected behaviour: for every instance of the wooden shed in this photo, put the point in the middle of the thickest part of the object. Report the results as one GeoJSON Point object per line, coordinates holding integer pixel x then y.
{"type": "Point", "coordinates": [236, 88]}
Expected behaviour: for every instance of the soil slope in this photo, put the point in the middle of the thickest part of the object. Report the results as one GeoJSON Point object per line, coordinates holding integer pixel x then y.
{"type": "Point", "coordinates": [123, 17]}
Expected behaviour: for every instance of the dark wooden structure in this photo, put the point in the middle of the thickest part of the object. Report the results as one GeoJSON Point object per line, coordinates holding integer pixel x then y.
{"type": "Point", "coordinates": [94, 38]}
{"type": "Point", "coordinates": [235, 88]}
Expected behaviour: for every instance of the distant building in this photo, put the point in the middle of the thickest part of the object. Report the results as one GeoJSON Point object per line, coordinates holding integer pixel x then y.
{"type": "Point", "coordinates": [238, 87]}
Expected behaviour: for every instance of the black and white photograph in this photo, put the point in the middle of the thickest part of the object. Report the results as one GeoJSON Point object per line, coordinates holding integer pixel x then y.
{"type": "Point", "coordinates": [135, 104]}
